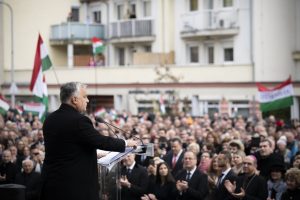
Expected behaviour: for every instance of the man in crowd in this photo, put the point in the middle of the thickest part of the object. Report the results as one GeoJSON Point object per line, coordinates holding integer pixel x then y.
{"type": "Point", "coordinates": [134, 180]}
{"type": "Point", "coordinates": [8, 169]}
{"type": "Point", "coordinates": [191, 183]}
{"type": "Point", "coordinates": [30, 179]}
{"type": "Point", "coordinates": [250, 185]}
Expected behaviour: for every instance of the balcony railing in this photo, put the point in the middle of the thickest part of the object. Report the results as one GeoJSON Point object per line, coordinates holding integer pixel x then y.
{"type": "Point", "coordinates": [76, 31]}
{"type": "Point", "coordinates": [209, 20]}
{"type": "Point", "coordinates": [131, 28]}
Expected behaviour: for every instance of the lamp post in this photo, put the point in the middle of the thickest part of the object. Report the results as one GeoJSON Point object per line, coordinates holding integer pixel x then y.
{"type": "Point", "coordinates": [13, 86]}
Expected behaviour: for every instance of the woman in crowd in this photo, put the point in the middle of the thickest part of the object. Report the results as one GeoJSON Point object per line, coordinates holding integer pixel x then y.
{"type": "Point", "coordinates": [237, 162]}
{"type": "Point", "coordinates": [213, 174]}
{"type": "Point", "coordinates": [293, 185]}
{"type": "Point", "coordinates": [276, 184]}
{"type": "Point", "coordinates": [163, 186]}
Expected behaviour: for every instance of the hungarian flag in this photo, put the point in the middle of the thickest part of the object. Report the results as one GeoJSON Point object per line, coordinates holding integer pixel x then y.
{"type": "Point", "coordinates": [4, 106]}
{"type": "Point", "coordinates": [100, 112]}
{"type": "Point", "coordinates": [276, 98]}
{"type": "Point", "coordinates": [38, 109]}
{"type": "Point", "coordinates": [98, 46]}
{"type": "Point", "coordinates": [38, 84]}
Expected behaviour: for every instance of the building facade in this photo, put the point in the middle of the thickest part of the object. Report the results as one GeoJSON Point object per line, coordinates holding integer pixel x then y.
{"type": "Point", "coordinates": [200, 56]}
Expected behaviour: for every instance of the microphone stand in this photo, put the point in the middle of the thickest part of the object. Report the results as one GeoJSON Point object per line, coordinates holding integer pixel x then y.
{"type": "Point", "coordinates": [100, 120]}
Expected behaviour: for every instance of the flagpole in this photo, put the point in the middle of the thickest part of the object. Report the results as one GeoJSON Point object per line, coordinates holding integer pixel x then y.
{"type": "Point", "coordinates": [55, 75]}
{"type": "Point", "coordinates": [12, 70]}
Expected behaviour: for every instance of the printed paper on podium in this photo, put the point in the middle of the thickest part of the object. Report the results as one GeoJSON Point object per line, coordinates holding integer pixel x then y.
{"type": "Point", "coordinates": [113, 157]}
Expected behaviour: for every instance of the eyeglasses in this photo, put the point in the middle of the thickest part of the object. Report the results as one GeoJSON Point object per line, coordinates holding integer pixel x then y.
{"type": "Point", "coordinates": [36, 154]}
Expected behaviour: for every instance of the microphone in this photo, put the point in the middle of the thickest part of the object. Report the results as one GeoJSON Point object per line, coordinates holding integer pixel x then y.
{"type": "Point", "coordinates": [101, 120]}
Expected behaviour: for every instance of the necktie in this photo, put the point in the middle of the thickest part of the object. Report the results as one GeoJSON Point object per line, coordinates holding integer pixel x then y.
{"type": "Point", "coordinates": [220, 179]}
{"type": "Point", "coordinates": [188, 176]}
{"type": "Point", "coordinates": [128, 171]}
{"type": "Point", "coordinates": [173, 161]}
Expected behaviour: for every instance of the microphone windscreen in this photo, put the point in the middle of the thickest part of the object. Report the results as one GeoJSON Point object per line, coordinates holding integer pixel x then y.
{"type": "Point", "coordinates": [99, 119]}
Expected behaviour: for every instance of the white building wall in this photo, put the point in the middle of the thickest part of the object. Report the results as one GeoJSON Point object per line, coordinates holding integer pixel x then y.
{"type": "Point", "coordinates": [274, 39]}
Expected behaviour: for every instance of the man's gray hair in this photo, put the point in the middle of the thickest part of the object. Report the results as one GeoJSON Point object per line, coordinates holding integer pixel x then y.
{"type": "Point", "coordinates": [69, 90]}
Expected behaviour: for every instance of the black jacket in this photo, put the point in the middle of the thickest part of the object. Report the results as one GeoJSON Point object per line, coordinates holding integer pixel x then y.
{"type": "Point", "coordinates": [32, 182]}
{"type": "Point", "coordinates": [70, 166]}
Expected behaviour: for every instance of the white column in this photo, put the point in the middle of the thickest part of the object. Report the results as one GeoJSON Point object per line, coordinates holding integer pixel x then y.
{"type": "Point", "coordinates": [295, 109]}
{"type": "Point", "coordinates": [195, 106]}
{"type": "Point", "coordinates": [70, 55]}
{"type": "Point", "coordinates": [53, 103]}
{"type": "Point", "coordinates": [118, 102]}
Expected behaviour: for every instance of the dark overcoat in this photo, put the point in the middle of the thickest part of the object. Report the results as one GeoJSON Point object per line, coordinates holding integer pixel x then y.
{"type": "Point", "coordinates": [70, 166]}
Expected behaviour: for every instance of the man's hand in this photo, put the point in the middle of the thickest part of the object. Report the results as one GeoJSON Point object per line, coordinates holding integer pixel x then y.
{"type": "Point", "coordinates": [132, 143]}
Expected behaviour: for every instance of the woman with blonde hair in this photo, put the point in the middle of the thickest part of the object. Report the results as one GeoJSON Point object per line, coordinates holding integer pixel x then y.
{"type": "Point", "coordinates": [293, 184]}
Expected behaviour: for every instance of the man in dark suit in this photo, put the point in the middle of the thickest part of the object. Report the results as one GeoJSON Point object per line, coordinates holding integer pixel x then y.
{"type": "Point", "coordinates": [8, 170]}
{"type": "Point", "coordinates": [249, 185]}
{"type": "Point", "coordinates": [191, 183]}
{"type": "Point", "coordinates": [70, 165]}
{"type": "Point", "coordinates": [134, 180]}
{"type": "Point", "coordinates": [224, 160]}
{"type": "Point", "coordinates": [174, 156]}
{"type": "Point", "coordinates": [30, 179]}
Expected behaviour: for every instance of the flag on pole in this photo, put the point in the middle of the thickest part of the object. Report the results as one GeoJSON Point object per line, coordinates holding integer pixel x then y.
{"type": "Point", "coordinates": [38, 84]}
{"type": "Point", "coordinates": [98, 46]}
{"type": "Point", "coordinates": [276, 98]}
{"type": "Point", "coordinates": [4, 106]}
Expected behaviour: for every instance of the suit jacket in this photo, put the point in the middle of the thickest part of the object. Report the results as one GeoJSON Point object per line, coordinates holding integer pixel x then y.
{"type": "Point", "coordinates": [221, 191]}
{"type": "Point", "coordinates": [32, 182]}
{"type": "Point", "coordinates": [70, 166]}
{"type": "Point", "coordinates": [179, 164]}
{"type": "Point", "coordinates": [198, 186]}
{"type": "Point", "coordinates": [10, 170]}
{"type": "Point", "coordinates": [139, 183]}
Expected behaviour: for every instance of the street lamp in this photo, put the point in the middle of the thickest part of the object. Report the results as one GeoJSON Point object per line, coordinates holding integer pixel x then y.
{"type": "Point", "coordinates": [13, 87]}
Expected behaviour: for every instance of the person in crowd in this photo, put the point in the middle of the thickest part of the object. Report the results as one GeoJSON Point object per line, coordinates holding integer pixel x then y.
{"type": "Point", "coordinates": [212, 174]}
{"type": "Point", "coordinates": [70, 165]}
{"type": "Point", "coordinates": [191, 184]}
{"type": "Point", "coordinates": [250, 185]}
{"type": "Point", "coordinates": [204, 162]}
{"type": "Point", "coordinates": [266, 158]}
{"type": "Point", "coordinates": [235, 146]}
{"type": "Point", "coordinates": [8, 169]}
{"type": "Point", "coordinates": [283, 150]}
{"type": "Point", "coordinates": [163, 187]}
{"type": "Point", "coordinates": [30, 179]}
{"type": "Point", "coordinates": [237, 162]}
{"type": "Point", "coordinates": [134, 180]}
{"type": "Point", "coordinates": [276, 184]}
{"type": "Point", "coordinates": [293, 185]}
{"type": "Point", "coordinates": [174, 157]}
{"type": "Point", "coordinates": [227, 174]}
{"type": "Point", "coordinates": [296, 162]}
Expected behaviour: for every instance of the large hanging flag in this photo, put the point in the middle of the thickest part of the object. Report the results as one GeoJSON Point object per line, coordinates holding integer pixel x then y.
{"type": "Point", "coordinates": [38, 109]}
{"type": "Point", "coordinates": [98, 46]}
{"type": "Point", "coordinates": [276, 98]}
{"type": "Point", "coordinates": [38, 84]}
{"type": "Point", "coordinates": [4, 106]}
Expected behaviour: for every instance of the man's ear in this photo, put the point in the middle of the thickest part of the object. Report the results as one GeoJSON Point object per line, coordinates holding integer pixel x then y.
{"type": "Point", "coordinates": [73, 100]}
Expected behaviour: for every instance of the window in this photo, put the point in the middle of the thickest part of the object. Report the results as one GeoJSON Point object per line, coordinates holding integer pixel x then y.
{"type": "Point", "coordinates": [210, 55]}
{"type": "Point", "coordinates": [75, 14]}
{"type": "Point", "coordinates": [227, 3]}
{"type": "Point", "coordinates": [147, 48]}
{"type": "Point", "coordinates": [228, 54]}
{"type": "Point", "coordinates": [121, 54]}
{"type": "Point", "coordinates": [193, 5]}
{"type": "Point", "coordinates": [147, 8]}
{"type": "Point", "coordinates": [120, 11]}
{"type": "Point", "coordinates": [132, 14]}
{"type": "Point", "coordinates": [240, 108]}
{"type": "Point", "coordinates": [97, 17]}
{"type": "Point", "coordinates": [212, 108]}
{"type": "Point", "coordinates": [194, 54]}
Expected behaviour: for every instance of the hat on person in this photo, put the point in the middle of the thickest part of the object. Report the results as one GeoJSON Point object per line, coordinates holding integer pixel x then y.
{"type": "Point", "coordinates": [282, 140]}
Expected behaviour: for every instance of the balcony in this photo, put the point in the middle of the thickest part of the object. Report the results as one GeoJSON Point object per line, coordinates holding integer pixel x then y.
{"type": "Point", "coordinates": [209, 23]}
{"type": "Point", "coordinates": [132, 31]}
{"type": "Point", "coordinates": [75, 32]}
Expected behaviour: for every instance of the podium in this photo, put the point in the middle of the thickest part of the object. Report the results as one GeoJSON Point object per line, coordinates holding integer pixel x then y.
{"type": "Point", "coordinates": [109, 170]}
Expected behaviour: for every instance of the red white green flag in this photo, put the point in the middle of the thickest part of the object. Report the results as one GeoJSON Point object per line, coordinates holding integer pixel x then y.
{"type": "Point", "coordinates": [98, 46]}
{"type": "Point", "coordinates": [276, 98]}
{"type": "Point", "coordinates": [38, 109]}
{"type": "Point", "coordinates": [38, 84]}
{"type": "Point", "coordinates": [4, 106]}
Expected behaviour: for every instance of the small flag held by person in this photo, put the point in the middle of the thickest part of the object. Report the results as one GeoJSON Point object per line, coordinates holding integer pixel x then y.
{"type": "Point", "coordinates": [276, 98]}
{"type": "Point", "coordinates": [98, 46]}
{"type": "Point", "coordinates": [38, 84]}
{"type": "Point", "coordinates": [4, 105]}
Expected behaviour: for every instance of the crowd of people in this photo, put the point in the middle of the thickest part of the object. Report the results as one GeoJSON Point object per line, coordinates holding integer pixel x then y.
{"type": "Point", "coordinates": [194, 157]}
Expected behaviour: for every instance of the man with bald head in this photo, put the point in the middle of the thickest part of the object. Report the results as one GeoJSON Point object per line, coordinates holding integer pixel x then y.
{"type": "Point", "coordinates": [30, 179]}
{"type": "Point", "coordinates": [250, 185]}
